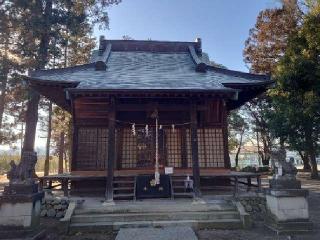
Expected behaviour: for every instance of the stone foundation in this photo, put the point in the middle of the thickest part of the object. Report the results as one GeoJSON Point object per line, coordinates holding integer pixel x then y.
{"type": "Point", "coordinates": [255, 206]}
{"type": "Point", "coordinates": [54, 207]}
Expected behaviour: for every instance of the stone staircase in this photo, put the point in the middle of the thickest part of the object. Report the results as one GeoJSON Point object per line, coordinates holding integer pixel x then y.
{"type": "Point", "coordinates": [219, 214]}
{"type": "Point", "coordinates": [178, 188]}
{"type": "Point", "coordinates": [124, 188]}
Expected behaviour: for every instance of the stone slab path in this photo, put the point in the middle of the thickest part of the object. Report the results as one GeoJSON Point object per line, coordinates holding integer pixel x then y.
{"type": "Point", "coordinates": [169, 233]}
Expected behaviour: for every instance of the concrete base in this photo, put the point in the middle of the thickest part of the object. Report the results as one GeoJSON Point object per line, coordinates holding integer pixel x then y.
{"type": "Point", "coordinates": [20, 210]}
{"type": "Point", "coordinates": [20, 216]}
{"type": "Point", "coordinates": [288, 211]}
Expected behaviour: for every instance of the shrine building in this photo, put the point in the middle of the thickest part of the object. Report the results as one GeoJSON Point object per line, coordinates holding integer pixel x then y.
{"type": "Point", "coordinates": [147, 108]}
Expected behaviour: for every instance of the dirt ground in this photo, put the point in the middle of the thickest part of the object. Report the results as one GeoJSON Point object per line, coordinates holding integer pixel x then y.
{"type": "Point", "coordinates": [259, 231]}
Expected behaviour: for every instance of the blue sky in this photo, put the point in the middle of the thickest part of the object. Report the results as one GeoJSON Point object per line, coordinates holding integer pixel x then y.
{"type": "Point", "coordinates": [223, 25]}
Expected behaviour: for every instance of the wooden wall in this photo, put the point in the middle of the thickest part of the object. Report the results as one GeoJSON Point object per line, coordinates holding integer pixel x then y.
{"type": "Point", "coordinates": [91, 121]}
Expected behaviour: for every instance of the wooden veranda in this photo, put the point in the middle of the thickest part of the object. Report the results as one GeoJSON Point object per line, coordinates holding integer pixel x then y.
{"type": "Point", "coordinates": [63, 181]}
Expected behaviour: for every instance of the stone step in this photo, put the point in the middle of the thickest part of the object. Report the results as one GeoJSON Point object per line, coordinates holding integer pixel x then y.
{"type": "Point", "coordinates": [123, 181]}
{"type": "Point", "coordinates": [125, 217]}
{"type": "Point", "coordinates": [159, 206]}
{"type": "Point", "coordinates": [178, 187]}
{"type": "Point", "coordinates": [123, 188]}
{"type": "Point", "coordinates": [123, 196]}
{"type": "Point", "coordinates": [196, 224]}
{"type": "Point", "coordinates": [296, 227]}
{"type": "Point", "coordinates": [182, 195]}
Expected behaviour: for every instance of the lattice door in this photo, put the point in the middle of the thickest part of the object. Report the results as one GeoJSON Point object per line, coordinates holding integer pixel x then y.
{"type": "Point", "coordinates": [144, 149]}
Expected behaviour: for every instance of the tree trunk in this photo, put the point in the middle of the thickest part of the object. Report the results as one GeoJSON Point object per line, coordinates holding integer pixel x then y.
{"type": "Point", "coordinates": [258, 146]}
{"type": "Point", "coordinates": [312, 153]}
{"type": "Point", "coordinates": [265, 161]}
{"type": "Point", "coordinates": [314, 166]}
{"type": "Point", "coordinates": [236, 159]}
{"type": "Point", "coordinates": [3, 87]}
{"type": "Point", "coordinates": [61, 152]}
{"type": "Point", "coordinates": [2, 97]}
{"type": "Point", "coordinates": [31, 121]}
{"type": "Point", "coordinates": [46, 162]}
{"type": "Point", "coordinates": [239, 149]}
{"type": "Point", "coordinates": [21, 137]}
{"type": "Point", "coordinates": [305, 160]}
{"type": "Point", "coordinates": [66, 167]}
{"type": "Point", "coordinates": [45, 38]}
{"type": "Point", "coordinates": [34, 97]}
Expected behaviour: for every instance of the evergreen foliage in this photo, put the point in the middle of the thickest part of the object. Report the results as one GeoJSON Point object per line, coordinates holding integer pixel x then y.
{"type": "Point", "coordinates": [296, 97]}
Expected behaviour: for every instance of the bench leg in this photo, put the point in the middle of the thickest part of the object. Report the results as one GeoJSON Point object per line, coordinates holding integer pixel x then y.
{"type": "Point", "coordinates": [236, 185]}
{"type": "Point", "coordinates": [249, 184]}
{"type": "Point", "coordinates": [64, 186]}
{"type": "Point", "coordinates": [259, 183]}
{"type": "Point", "coordinates": [40, 184]}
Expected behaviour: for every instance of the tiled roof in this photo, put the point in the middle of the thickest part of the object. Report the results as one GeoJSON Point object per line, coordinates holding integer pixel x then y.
{"type": "Point", "coordinates": [127, 70]}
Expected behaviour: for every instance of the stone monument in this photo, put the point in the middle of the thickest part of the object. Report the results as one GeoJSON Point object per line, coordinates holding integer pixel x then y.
{"type": "Point", "coordinates": [286, 202]}
{"type": "Point", "coordinates": [21, 201]}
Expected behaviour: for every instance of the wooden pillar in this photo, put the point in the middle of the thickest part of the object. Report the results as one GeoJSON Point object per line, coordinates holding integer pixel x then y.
{"type": "Point", "coordinates": [184, 153]}
{"type": "Point", "coordinates": [73, 162]}
{"type": "Point", "coordinates": [119, 148]}
{"type": "Point", "coordinates": [227, 163]}
{"type": "Point", "coordinates": [194, 148]}
{"type": "Point", "coordinates": [111, 149]}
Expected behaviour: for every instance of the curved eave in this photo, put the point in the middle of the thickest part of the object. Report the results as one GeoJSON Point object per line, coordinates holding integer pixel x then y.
{"type": "Point", "coordinates": [247, 92]}
{"type": "Point", "coordinates": [53, 90]}
{"type": "Point", "coordinates": [249, 76]}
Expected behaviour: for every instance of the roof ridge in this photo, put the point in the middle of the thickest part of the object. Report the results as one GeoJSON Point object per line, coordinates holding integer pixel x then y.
{"type": "Point", "coordinates": [149, 45]}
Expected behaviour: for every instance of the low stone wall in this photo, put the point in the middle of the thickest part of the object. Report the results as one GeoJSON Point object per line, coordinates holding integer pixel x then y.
{"type": "Point", "coordinates": [255, 206]}
{"type": "Point", "coordinates": [54, 207]}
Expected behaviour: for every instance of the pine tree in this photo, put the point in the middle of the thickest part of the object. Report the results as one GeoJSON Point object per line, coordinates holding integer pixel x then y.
{"type": "Point", "coordinates": [44, 26]}
{"type": "Point", "coordinates": [10, 65]}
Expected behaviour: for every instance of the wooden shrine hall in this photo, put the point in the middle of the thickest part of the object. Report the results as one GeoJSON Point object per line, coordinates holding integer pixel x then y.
{"type": "Point", "coordinates": [147, 115]}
